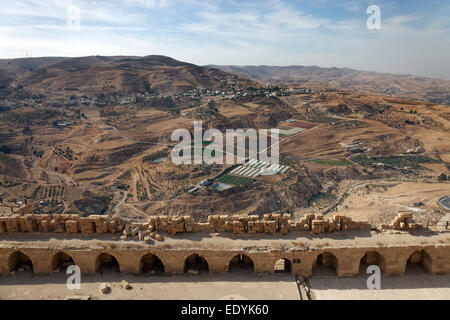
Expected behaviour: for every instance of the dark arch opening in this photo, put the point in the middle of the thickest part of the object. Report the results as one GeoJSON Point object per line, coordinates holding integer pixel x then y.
{"type": "Point", "coordinates": [325, 264]}
{"type": "Point", "coordinates": [419, 262]}
{"type": "Point", "coordinates": [61, 261]}
{"type": "Point", "coordinates": [20, 262]}
{"type": "Point", "coordinates": [282, 266]}
{"type": "Point", "coordinates": [241, 263]}
{"type": "Point", "coordinates": [371, 258]}
{"type": "Point", "coordinates": [196, 264]}
{"type": "Point", "coordinates": [106, 263]}
{"type": "Point", "coordinates": [151, 264]}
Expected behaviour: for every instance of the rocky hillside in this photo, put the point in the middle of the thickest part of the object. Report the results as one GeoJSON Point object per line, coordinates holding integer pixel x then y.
{"type": "Point", "coordinates": [96, 74]}
{"type": "Point", "coordinates": [403, 86]}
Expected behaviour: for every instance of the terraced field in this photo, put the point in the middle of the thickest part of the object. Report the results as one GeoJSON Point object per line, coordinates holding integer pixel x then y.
{"type": "Point", "coordinates": [336, 162]}
{"type": "Point", "coordinates": [230, 179]}
{"type": "Point", "coordinates": [396, 161]}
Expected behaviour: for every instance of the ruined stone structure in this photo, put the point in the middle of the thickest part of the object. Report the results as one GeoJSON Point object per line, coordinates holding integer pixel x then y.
{"type": "Point", "coordinates": [236, 224]}
{"type": "Point", "coordinates": [403, 221]}
{"type": "Point", "coordinates": [271, 224]}
{"type": "Point", "coordinates": [141, 257]}
{"type": "Point", "coordinates": [60, 223]}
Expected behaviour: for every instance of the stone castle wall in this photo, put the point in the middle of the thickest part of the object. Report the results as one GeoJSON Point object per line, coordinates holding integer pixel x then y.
{"type": "Point", "coordinates": [131, 258]}
{"type": "Point", "coordinates": [392, 260]}
{"type": "Point", "coordinates": [26, 222]}
{"type": "Point", "coordinates": [60, 223]}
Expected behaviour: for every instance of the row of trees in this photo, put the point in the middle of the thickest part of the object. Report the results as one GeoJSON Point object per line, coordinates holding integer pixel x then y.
{"type": "Point", "coordinates": [158, 154]}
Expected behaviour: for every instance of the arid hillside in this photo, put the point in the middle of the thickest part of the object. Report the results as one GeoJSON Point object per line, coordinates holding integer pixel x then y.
{"type": "Point", "coordinates": [97, 74]}
{"type": "Point", "coordinates": [92, 135]}
{"type": "Point", "coordinates": [403, 86]}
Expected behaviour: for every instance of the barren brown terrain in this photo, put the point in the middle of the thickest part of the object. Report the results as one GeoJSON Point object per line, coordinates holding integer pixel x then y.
{"type": "Point", "coordinates": [404, 86]}
{"type": "Point", "coordinates": [93, 136]}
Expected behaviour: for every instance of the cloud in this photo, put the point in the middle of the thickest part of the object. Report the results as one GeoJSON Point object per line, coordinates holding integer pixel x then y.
{"type": "Point", "coordinates": [276, 32]}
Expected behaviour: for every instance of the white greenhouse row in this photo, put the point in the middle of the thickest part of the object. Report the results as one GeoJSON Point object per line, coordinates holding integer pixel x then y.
{"type": "Point", "coordinates": [255, 168]}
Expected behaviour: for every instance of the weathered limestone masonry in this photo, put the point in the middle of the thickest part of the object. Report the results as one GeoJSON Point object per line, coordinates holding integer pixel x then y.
{"type": "Point", "coordinates": [60, 223]}
{"type": "Point", "coordinates": [346, 261]}
{"type": "Point", "coordinates": [403, 221]}
{"type": "Point", "coordinates": [137, 257]}
{"type": "Point", "coordinates": [245, 224]}
{"type": "Point", "coordinates": [272, 223]}
{"type": "Point", "coordinates": [236, 224]}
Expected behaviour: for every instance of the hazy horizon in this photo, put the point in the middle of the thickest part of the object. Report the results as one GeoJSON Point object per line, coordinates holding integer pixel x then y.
{"type": "Point", "coordinates": [414, 37]}
{"type": "Point", "coordinates": [235, 65]}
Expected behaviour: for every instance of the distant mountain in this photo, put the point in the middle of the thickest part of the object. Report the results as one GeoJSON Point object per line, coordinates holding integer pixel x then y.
{"type": "Point", "coordinates": [97, 74]}
{"type": "Point", "coordinates": [16, 66]}
{"type": "Point", "coordinates": [403, 86]}
{"type": "Point", "coordinates": [11, 68]}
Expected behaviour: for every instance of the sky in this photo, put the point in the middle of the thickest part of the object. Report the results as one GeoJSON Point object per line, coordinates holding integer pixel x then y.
{"type": "Point", "coordinates": [414, 35]}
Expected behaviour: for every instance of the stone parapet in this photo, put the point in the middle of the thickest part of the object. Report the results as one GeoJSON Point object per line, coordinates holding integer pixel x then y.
{"type": "Point", "coordinates": [275, 223]}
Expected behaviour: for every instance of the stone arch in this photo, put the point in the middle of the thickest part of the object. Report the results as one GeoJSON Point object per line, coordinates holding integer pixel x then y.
{"type": "Point", "coordinates": [61, 261]}
{"type": "Point", "coordinates": [241, 263]}
{"type": "Point", "coordinates": [419, 260]}
{"type": "Point", "coordinates": [195, 264]}
{"type": "Point", "coordinates": [151, 264]}
{"type": "Point", "coordinates": [371, 258]}
{"type": "Point", "coordinates": [19, 261]}
{"type": "Point", "coordinates": [325, 263]}
{"type": "Point", "coordinates": [283, 266]}
{"type": "Point", "coordinates": [106, 262]}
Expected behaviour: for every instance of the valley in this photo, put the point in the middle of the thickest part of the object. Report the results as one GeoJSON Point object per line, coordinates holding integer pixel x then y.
{"type": "Point", "coordinates": [93, 136]}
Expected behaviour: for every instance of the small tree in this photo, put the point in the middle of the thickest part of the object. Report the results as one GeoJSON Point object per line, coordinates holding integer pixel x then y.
{"type": "Point", "coordinates": [27, 131]}
{"type": "Point", "coordinates": [442, 177]}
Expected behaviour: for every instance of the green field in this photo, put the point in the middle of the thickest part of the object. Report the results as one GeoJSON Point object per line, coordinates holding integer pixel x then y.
{"type": "Point", "coordinates": [204, 143]}
{"type": "Point", "coordinates": [345, 124]}
{"type": "Point", "coordinates": [395, 161]}
{"type": "Point", "coordinates": [195, 147]}
{"type": "Point", "coordinates": [333, 162]}
{"type": "Point", "coordinates": [350, 124]}
{"type": "Point", "coordinates": [229, 179]}
{"type": "Point", "coordinates": [325, 120]}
